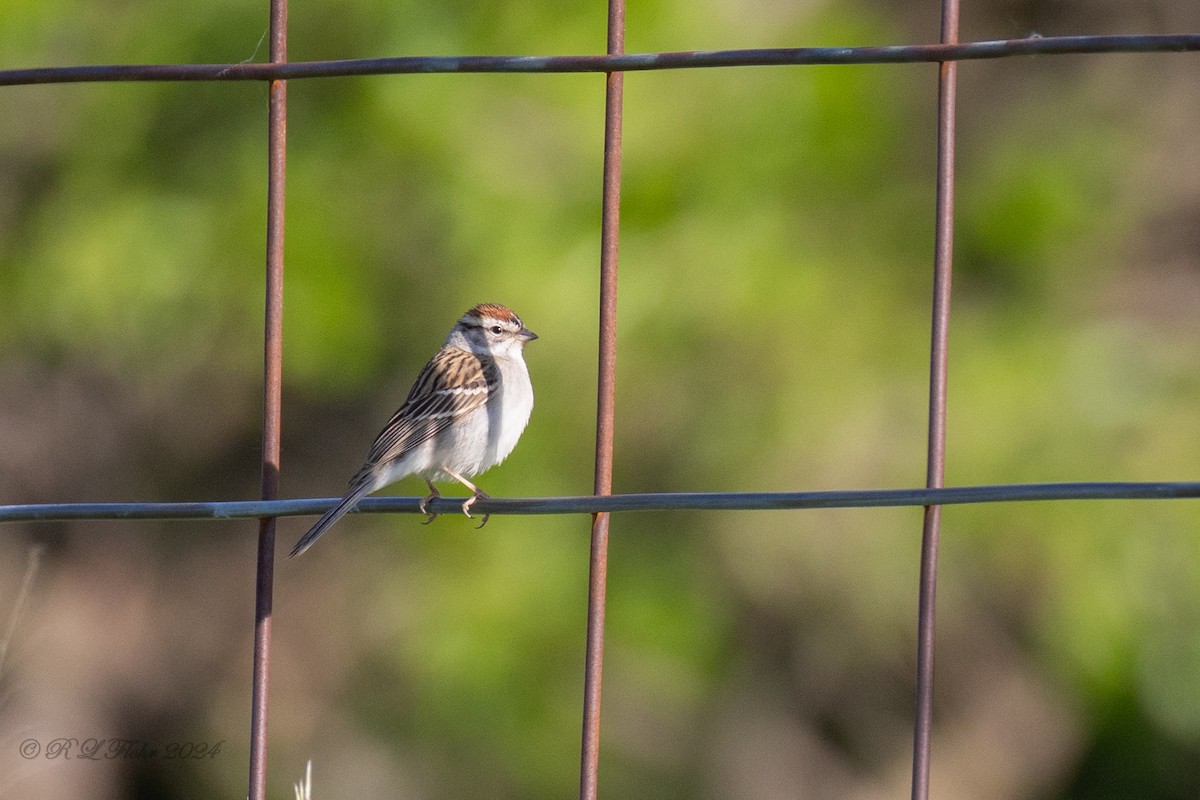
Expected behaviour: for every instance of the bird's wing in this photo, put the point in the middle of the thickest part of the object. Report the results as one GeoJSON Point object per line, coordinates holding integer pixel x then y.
{"type": "Point", "coordinates": [453, 383]}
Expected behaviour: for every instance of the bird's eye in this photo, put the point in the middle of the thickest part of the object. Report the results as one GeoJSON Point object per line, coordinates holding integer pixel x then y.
{"type": "Point", "coordinates": [497, 330]}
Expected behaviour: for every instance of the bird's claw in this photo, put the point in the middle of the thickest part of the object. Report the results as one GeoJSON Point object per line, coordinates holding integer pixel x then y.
{"type": "Point", "coordinates": [470, 501]}
{"type": "Point", "coordinates": [423, 506]}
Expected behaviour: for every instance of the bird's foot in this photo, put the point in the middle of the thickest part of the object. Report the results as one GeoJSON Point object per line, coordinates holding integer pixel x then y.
{"type": "Point", "coordinates": [470, 501]}
{"type": "Point", "coordinates": [423, 506]}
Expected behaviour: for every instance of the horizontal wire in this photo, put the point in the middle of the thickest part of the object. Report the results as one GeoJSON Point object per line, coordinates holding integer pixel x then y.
{"type": "Point", "coordinates": [630, 62]}
{"type": "Point", "coordinates": [589, 504]}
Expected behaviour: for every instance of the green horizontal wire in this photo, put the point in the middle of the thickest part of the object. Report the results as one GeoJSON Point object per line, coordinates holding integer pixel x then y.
{"type": "Point", "coordinates": [588, 504]}
{"type": "Point", "coordinates": [1032, 45]}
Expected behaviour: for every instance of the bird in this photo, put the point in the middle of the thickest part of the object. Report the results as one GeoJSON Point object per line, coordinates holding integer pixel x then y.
{"type": "Point", "coordinates": [464, 414]}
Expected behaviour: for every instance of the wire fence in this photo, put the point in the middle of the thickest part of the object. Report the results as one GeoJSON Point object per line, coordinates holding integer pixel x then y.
{"type": "Point", "coordinates": [617, 62]}
{"type": "Point", "coordinates": [602, 503]}
{"type": "Point", "coordinates": [595, 504]}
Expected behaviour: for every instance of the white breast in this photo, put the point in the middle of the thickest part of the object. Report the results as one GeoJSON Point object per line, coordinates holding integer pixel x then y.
{"type": "Point", "coordinates": [508, 410]}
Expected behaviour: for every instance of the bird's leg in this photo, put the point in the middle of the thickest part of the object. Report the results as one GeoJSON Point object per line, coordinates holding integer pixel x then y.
{"type": "Point", "coordinates": [423, 506]}
{"type": "Point", "coordinates": [470, 501]}
{"type": "Point", "coordinates": [476, 493]}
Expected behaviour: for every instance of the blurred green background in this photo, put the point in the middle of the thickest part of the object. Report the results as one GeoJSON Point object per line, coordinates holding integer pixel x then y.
{"type": "Point", "coordinates": [775, 275]}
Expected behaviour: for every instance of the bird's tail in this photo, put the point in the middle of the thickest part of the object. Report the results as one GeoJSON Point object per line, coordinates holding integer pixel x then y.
{"type": "Point", "coordinates": [346, 505]}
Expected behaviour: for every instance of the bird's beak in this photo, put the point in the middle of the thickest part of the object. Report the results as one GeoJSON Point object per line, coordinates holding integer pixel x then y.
{"type": "Point", "coordinates": [526, 335]}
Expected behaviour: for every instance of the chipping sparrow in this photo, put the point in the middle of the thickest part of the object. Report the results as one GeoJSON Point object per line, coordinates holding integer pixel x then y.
{"type": "Point", "coordinates": [464, 414]}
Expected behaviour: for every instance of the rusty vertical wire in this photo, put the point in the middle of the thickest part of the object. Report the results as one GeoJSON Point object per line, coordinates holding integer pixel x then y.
{"type": "Point", "coordinates": [272, 401]}
{"type": "Point", "coordinates": [605, 403]}
{"type": "Point", "coordinates": [936, 459]}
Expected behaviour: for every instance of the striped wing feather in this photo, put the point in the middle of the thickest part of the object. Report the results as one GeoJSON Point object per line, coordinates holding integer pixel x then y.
{"type": "Point", "coordinates": [453, 383]}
